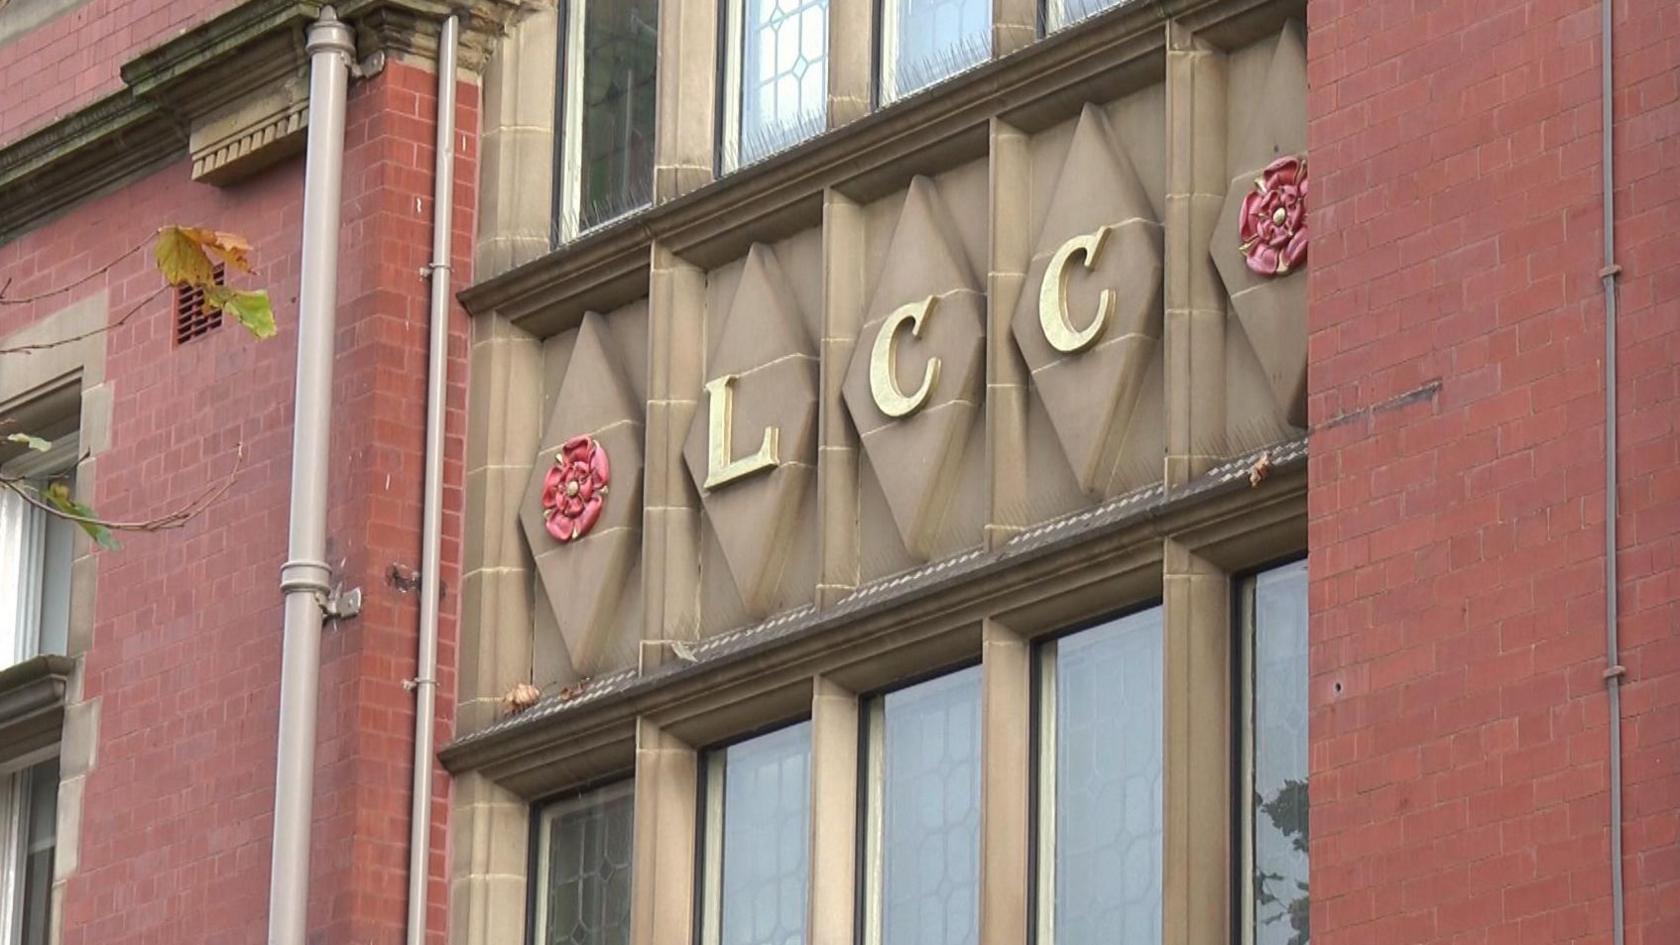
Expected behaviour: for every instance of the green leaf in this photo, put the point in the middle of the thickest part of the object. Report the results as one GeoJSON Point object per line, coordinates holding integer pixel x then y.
{"type": "Point", "coordinates": [251, 309]}
{"type": "Point", "coordinates": [58, 494]}
{"type": "Point", "coordinates": [181, 258]}
{"type": "Point", "coordinates": [33, 442]}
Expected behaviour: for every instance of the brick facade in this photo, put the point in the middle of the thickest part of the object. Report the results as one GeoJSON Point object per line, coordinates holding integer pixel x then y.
{"type": "Point", "coordinates": [1459, 727]}
{"type": "Point", "coordinates": [186, 652]}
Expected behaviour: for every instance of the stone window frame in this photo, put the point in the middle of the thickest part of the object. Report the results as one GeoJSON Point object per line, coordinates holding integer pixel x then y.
{"type": "Point", "coordinates": [654, 736]}
{"type": "Point", "coordinates": [54, 384]}
{"type": "Point", "coordinates": [1189, 561]}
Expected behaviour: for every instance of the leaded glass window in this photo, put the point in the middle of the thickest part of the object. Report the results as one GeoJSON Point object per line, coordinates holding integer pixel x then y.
{"type": "Point", "coordinates": [923, 41]}
{"type": "Point", "coordinates": [777, 89]}
{"type": "Point", "coordinates": [1275, 821]}
{"type": "Point", "coordinates": [1099, 767]}
{"type": "Point", "coordinates": [922, 849]}
{"type": "Point", "coordinates": [583, 869]}
{"type": "Point", "coordinates": [608, 64]}
{"type": "Point", "coordinates": [757, 840]}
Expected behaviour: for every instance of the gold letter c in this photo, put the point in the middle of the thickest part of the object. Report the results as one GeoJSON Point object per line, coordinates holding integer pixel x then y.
{"type": "Point", "coordinates": [883, 362]}
{"type": "Point", "coordinates": [1052, 295]}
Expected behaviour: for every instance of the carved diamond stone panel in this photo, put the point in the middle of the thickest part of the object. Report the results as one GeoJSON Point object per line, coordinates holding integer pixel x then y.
{"type": "Point", "coordinates": [583, 579]}
{"type": "Point", "coordinates": [1271, 310]}
{"type": "Point", "coordinates": [1092, 391]}
{"type": "Point", "coordinates": [765, 347]}
{"type": "Point", "coordinates": [915, 456]}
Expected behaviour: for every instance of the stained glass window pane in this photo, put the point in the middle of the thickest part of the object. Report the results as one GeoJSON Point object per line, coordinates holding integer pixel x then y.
{"type": "Point", "coordinates": [1278, 816]}
{"type": "Point", "coordinates": [932, 39]}
{"type": "Point", "coordinates": [584, 855]}
{"type": "Point", "coordinates": [1106, 779]}
{"type": "Point", "coordinates": [930, 812]}
{"type": "Point", "coordinates": [784, 75]}
{"type": "Point", "coordinates": [619, 58]}
{"type": "Point", "coordinates": [766, 833]}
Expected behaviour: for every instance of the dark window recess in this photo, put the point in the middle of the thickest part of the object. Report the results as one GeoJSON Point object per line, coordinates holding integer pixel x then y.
{"type": "Point", "coordinates": [192, 318]}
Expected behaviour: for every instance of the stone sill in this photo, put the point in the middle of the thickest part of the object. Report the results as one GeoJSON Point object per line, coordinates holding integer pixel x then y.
{"type": "Point", "coordinates": [32, 704]}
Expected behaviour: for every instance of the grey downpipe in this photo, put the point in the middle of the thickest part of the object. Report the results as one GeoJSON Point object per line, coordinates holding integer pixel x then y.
{"type": "Point", "coordinates": [1613, 669]}
{"type": "Point", "coordinates": [431, 523]}
{"type": "Point", "coordinates": [304, 577]}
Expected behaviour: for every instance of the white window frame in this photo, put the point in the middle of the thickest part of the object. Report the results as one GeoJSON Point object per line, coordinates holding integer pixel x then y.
{"type": "Point", "coordinates": [15, 784]}
{"type": "Point", "coordinates": [734, 57]}
{"type": "Point", "coordinates": [570, 184]}
{"type": "Point", "coordinates": [23, 542]}
{"type": "Point", "coordinates": [1247, 631]}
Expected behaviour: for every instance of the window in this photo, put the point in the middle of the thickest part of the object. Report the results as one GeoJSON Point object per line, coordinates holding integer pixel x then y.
{"type": "Point", "coordinates": [756, 838]}
{"type": "Point", "coordinates": [606, 102]}
{"type": "Point", "coordinates": [923, 41]}
{"type": "Point", "coordinates": [1274, 756]}
{"type": "Point", "coordinates": [1099, 805]}
{"type": "Point", "coordinates": [1060, 13]}
{"type": "Point", "coordinates": [35, 554]}
{"type": "Point", "coordinates": [583, 869]}
{"type": "Point", "coordinates": [922, 789]}
{"type": "Point", "coordinates": [776, 88]}
{"type": "Point", "coordinates": [29, 831]}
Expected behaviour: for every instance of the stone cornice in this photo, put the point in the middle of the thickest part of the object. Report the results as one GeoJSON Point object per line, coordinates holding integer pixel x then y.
{"type": "Point", "coordinates": [1224, 509]}
{"type": "Point", "coordinates": [1034, 87]}
{"type": "Point", "coordinates": [32, 704]}
{"type": "Point", "coordinates": [247, 51]}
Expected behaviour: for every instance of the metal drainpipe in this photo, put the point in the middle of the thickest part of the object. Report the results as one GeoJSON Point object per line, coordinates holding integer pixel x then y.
{"type": "Point", "coordinates": [305, 575]}
{"type": "Point", "coordinates": [1613, 669]}
{"type": "Point", "coordinates": [425, 681]}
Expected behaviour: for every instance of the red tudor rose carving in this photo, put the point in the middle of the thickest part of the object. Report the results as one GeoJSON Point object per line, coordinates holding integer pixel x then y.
{"type": "Point", "coordinates": [1274, 219]}
{"type": "Point", "coordinates": [575, 488]}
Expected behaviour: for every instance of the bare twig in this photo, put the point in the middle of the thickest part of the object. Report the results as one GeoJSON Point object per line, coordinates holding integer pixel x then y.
{"type": "Point", "coordinates": [59, 342]}
{"type": "Point", "coordinates": [174, 519]}
{"type": "Point", "coordinates": [29, 299]}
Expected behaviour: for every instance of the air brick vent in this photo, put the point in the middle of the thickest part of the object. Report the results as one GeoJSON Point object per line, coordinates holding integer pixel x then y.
{"type": "Point", "coordinates": [192, 318]}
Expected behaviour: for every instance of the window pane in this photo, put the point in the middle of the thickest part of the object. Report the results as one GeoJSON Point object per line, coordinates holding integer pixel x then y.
{"type": "Point", "coordinates": [765, 837]}
{"type": "Point", "coordinates": [931, 39]}
{"type": "Point", "coordinates": [929, 830]}
{"type": "Point", "coordinates": [784, 75]}
{"type": "Point", "coordinates": [1278, 819]}
{"type": "Point", "coordinates": [620, 52]}
{"type": "Point", "coordinates": [1059, 13]}
{"type": "Point", "coordinates": [22, 528]}
{"type": "Point", "coordinates": [1106, 784]}
{"type": "Point", "coordinates": [41, 838]}
{"type": "Point", "coordinates": [584, 857]}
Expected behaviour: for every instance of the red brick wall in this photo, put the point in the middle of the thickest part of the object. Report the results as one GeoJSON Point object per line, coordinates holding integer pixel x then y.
{"type": "Point", "coordinates": [1459, 719]}
{"type": "Point", "coordinates": [73, 58]}
{"type": "Point", "coordinates": [186, 652]}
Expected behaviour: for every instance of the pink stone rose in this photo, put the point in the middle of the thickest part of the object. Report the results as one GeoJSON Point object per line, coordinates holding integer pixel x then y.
{"type": "Point", "coordinates": [1274, 219]}
{"type": "Point", "coordinates": [575, 488]}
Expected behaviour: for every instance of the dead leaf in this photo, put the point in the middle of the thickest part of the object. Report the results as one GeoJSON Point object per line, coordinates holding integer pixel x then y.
{"type": "Point", "coordinates": [521, 697]}
{"type": "Point", "coordinates": [1258, 472]}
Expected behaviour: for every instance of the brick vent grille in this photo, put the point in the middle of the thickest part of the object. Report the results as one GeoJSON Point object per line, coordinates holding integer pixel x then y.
{"type": "Point", "coordinates": [192, 319]}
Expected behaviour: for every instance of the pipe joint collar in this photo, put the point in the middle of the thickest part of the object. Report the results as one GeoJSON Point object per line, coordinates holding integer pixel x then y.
{"type": "Point", "coordinates": [300, 575]}
{"type": "Point", "coordinates": [329, 34]}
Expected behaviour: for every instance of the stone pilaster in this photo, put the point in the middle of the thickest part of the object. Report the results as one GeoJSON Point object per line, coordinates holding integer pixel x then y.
{"type": "Point", "coordinates": [837, 447]}
{"type": "Point", "coordinates": [662, 895]}
{"type": "Point", "coordinates": [671, 507]}
{"type": "Point", "coordinates": [1196, 895]}
{"type": "Point", "coordinates": [1007, 389]}
{"type": "Point", "coordinates": [1005, 785]}
{"type": "Point", "coordinates": [1195, 306]}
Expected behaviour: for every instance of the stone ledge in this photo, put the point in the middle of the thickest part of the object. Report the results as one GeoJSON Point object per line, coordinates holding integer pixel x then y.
{"type": "Point", "coordinates": [32, 704]}
{"type": "Point", "coordinates": [232, 92]}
